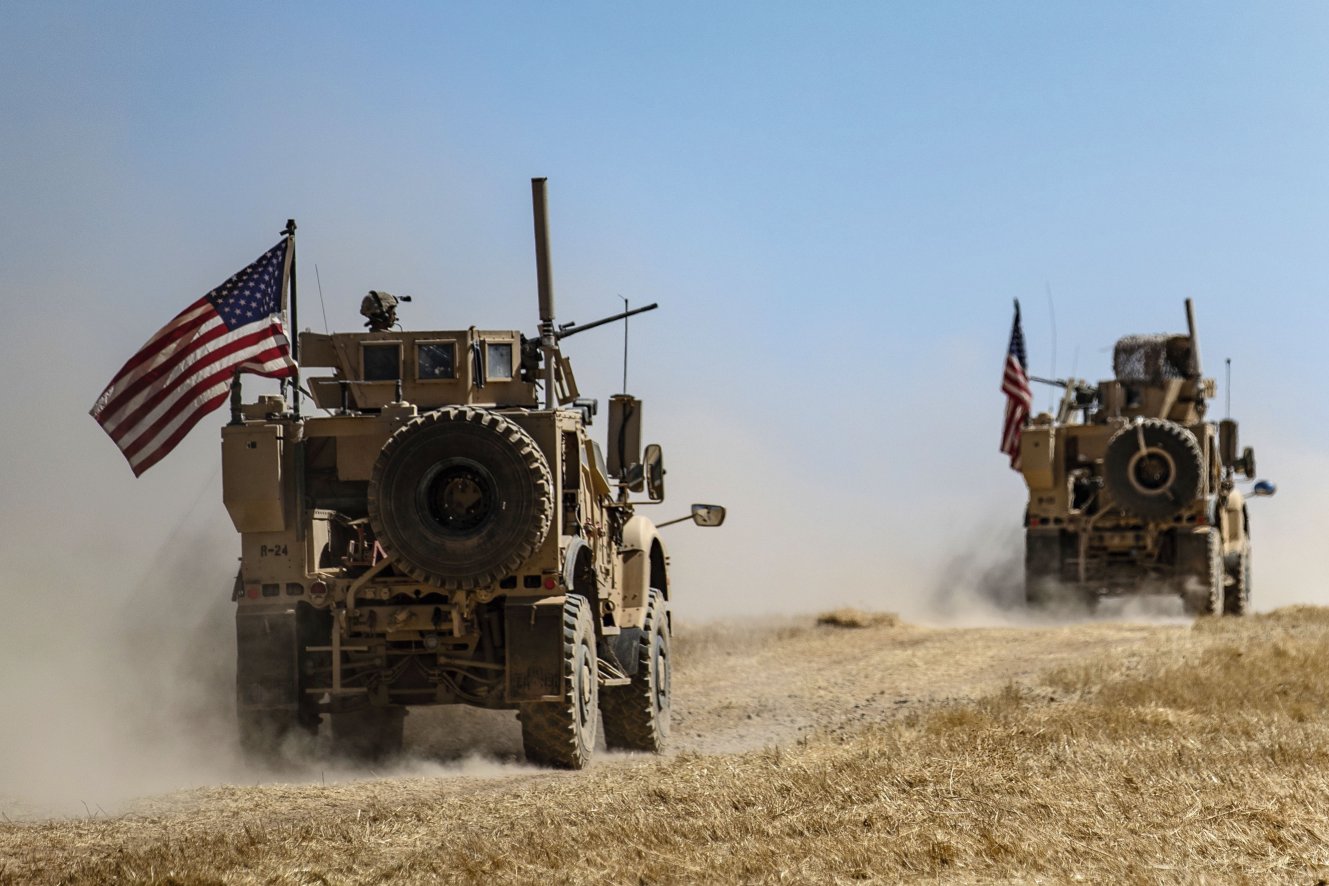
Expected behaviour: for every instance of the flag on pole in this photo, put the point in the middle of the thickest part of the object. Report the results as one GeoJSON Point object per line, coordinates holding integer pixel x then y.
{"type": "Point", "coordinates": [1019, 398]}
{"type": "Point", "coordinates": [185, 370]}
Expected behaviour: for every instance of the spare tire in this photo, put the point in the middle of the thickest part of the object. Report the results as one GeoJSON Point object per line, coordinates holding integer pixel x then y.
{"type": "Point", "coordinates": [1153, 468]}
{"type": "Point", "coordinates": [460, 497]}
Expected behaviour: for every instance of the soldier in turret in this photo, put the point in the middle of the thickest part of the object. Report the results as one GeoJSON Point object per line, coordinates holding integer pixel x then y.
{"type": "Point", "coordinates": [380, 310]}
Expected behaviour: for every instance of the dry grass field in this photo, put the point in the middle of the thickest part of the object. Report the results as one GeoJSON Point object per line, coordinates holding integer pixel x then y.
{"type": "Point", "coordinates": [1099, 752]}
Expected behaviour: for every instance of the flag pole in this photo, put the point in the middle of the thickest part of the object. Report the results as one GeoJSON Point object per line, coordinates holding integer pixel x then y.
{"type": "Point", "coordinates": [294, 330]}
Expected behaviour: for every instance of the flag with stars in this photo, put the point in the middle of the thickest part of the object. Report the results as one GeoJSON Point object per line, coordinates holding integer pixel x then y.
{"type": "Point", "coordinates": [1019, 397]}
{"type": "Point", "coordinates": [185, 370]}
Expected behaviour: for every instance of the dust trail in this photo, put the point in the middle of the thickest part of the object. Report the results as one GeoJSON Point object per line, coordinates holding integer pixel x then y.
{"type": "Point", "coordinates": [984, 586]}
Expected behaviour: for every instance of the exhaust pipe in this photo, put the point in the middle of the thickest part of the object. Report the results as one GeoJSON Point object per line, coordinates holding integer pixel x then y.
{"type": "Point", "coordinates": [545, 284]}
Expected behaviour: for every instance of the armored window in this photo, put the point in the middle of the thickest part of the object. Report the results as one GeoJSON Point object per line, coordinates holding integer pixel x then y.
{"type": "Point", "coordinates": [435, 360]}
{"type": "Point", "coordinates": [382, 362]}
{"type": "Point", "coordinates": [498, 362]}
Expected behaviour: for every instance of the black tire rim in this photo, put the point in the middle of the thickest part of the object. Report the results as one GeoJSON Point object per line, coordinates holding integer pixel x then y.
{"type": "Point", "coordinates": [583, 688]}
{"type": "Point", "coordinates": [459, 496]}
{"type": "Point", "coordinates": [1151, 471]}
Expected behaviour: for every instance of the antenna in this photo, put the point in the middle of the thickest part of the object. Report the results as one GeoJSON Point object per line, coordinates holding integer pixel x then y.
{"type": "Point", "coordinates": [625, 343]}
{"type": "Point", "coordinates": [319, 281]}
{"type": "Point", "coordinates": [1052, 312]}
{"type": "Point", "coordinates": [1227, 385]}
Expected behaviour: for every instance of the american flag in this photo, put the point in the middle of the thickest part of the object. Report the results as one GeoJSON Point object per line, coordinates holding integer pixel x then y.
{"type": "Point", "coordinates": [1019, 398]}
{"type": "Point", "coordinates": [185, 370]}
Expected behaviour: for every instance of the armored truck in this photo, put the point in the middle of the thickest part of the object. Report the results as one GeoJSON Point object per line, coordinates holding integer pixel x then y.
{"type": "Point", "coordinates": [1132, 491]}
{"type": "Point", "coordinates": [442, 534]}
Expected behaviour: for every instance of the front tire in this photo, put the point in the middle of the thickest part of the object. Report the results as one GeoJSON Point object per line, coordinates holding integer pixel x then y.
{"type": "Point", "coordinates": [562, 733]}
{"type": "Point", "coordinates": [636, 716]}
{"type": "Point", "coordinates": [1200, 564]}
{"type": "Point", "coordinates": [1237, 596]}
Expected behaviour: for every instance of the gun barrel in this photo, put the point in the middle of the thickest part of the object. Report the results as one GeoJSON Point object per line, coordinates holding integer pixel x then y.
{"type": "Point", "coordinates": [1056, 383]}
{"type": "Point", "coordinates": [544, 276]}
{"type": "Point", "coordinates": [1195, 339]}
{"type": "Point", "coordinates": [573, 329]}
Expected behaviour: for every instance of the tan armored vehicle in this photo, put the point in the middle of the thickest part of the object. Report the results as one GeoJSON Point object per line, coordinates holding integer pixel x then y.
{"type": "Point", "coordinates": [1131, 491]}
{"type": "Point", "coordinates": [440, 536]}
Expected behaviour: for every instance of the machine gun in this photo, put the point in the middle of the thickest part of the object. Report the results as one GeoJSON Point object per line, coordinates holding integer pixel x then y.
{"type": "Point", "coordinates": [1079, 396]}
{"type": "Point", "coordinates": [533, 349]}
{"type": "Point", "coordinates": [569, 329]}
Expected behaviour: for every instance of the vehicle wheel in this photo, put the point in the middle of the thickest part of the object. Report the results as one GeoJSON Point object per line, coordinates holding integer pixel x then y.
{"type": "Point", "coordinates": [636, 716]}
{"type": "Point", "coordinates": [1152, 469]}
{"type": "Point", "coordinates": [1237, 595]}
{"type": "Point", "coordinates": [369, 734]}
{"type": "Point", "coordinates": [1200, 568]}
{"type": "Point", "coordinates": [265, 733]}
{"type": "Point", "coordinates": [1042, 569]}
{"type": "Point", "coordinates": [1043, 584]}
{"type": "Point", "coordinates": [562, 733]}
{"type": "Point", "coordinates": [460, 497]}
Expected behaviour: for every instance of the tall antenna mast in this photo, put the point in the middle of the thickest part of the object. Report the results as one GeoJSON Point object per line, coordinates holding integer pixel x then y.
{"type": "Point", "coordinates": [625, 343]}
{"type": "Point", "coordinates": [1052, 312]}
{"type": "Point", "coordinates": [321, 303]}
{"type": "Point", "coordinates": [1227, 387]}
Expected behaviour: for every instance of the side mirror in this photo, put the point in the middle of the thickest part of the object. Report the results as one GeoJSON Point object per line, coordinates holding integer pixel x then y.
{"type": "Point", "coordinates": [654, 469]}
{"type": "Point", "coordinates": [1263, 488]}
{"type": "Point", "coordinates": [1246, 464]}
{"type": "Point", "coordinates": [708, 515]}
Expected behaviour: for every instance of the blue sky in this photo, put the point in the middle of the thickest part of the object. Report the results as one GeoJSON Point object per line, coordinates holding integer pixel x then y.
{"type": "Point", "coordinates": [834, 204]}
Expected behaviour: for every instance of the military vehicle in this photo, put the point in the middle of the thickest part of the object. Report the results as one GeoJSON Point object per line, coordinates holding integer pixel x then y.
{"type": "Point", "coordinates": [1131, 491]}
{"type": "Point", "coordinates": [440, 536]}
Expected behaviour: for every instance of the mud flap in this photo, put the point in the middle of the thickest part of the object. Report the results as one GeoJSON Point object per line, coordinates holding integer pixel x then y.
{"type": "Point", "coordinates": [267, 674]}
{"type": "Point", "coordinates": [533, 638]}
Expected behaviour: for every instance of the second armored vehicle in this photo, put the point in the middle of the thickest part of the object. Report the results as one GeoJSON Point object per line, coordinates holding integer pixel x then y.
{"type": "Point", "coordinates": [1132, 491]}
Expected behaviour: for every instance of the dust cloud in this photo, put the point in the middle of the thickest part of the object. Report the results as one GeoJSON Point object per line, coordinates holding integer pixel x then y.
{"type": "Point", "coordinates": [117, 636]}
{"type": "Point", "coordinates": [123, 699]}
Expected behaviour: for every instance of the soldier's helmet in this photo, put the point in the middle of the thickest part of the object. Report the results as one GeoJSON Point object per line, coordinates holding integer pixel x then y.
{"type": "Point", "coordinates": [379, 310]}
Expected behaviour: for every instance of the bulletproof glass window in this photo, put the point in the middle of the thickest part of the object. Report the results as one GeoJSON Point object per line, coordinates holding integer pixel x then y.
{"type": "Point", "coordinates": [498, 362]}
{"type": "Point", "coordinates": [382, 362]}
{"type": "Point", "coordinates": [435, 360]}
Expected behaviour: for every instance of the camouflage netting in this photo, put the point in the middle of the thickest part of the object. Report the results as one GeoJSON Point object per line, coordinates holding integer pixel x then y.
{"type": "Point", "coordinates": [1150, 359]}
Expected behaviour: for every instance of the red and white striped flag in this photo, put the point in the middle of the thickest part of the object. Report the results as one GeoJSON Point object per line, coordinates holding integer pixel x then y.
{"type": "Point", "coordinates": [185, 370]}
{"type": "Point", "coordinates": [1019, 398]}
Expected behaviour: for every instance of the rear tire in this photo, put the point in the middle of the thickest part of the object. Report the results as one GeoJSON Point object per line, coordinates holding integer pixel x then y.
{"type": "Point", "coordinates": [1042, 569]}
{"type": "Point", "coordinates": [264, 733]}
{"type": "Point", "coordinates": [636, 716]}
{"type": "Point", "coordinates": [1043, 585]}
{"type": "Point", "coordinates": [369, 735]}
{"type": "Point", "coordinates": [562, 733]}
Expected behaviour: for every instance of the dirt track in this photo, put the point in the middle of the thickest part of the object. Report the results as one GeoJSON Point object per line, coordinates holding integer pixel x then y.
{"type": "Point", "coordinates": [801, 679]}
{"type": "Point", "coordinates": [767, 688]}
{"type": "Point", "coordinates": [737, 688]}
